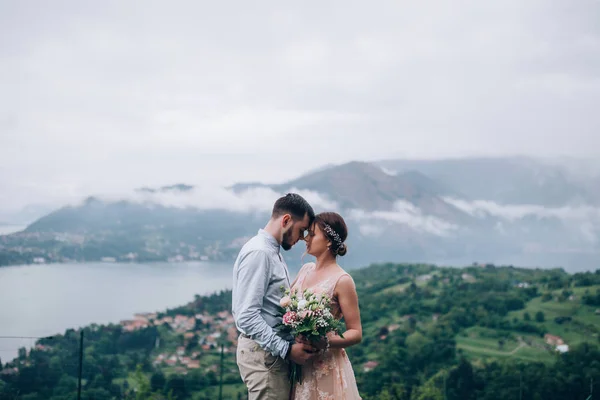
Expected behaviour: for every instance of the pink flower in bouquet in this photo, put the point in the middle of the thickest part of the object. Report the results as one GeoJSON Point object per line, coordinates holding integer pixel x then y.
{"type": "Point", "coordinates": [285, 301]}
{"type": "Point", "coordinates": [304, 314]}
{"type": "Point", "coordinates": [289, 317]}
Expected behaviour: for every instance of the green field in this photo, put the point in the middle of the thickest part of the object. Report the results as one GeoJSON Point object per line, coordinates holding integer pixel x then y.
{"type": "Point", "coordinates": [584, 325]}
{"type": "Point", "coordinates": [482, 343]}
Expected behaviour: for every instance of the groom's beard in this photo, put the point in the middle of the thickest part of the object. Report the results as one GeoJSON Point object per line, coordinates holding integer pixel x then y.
{"type": "Point", "coordinates": [285, 241]}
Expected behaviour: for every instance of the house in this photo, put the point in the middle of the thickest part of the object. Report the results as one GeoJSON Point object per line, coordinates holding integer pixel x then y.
{"type": "Point", "coordinates": [393, 327]}
{"type": "Point", "coordinates": [232, 335]}
{"type": "Point", "coordinates": [186, 360]}
{"type": "Point", "coordinates": [9, 371]}
{"type": "Point", "coordinates": [171, 361]}
{"type": "Point", "coordinates": [194, 364]}
{"type": "Point", "coordinates": [132, 325]}
{"type": "Point", "coordinates": [181, 370]}
{"type": "Point", "coordinates": [223, 314]}
{"type": "Point", "coordinates": [553, 340]}
{"type": "Point", "coordinates": [370, 365]}
{"type": "Point", "coordinates": [563, 348]}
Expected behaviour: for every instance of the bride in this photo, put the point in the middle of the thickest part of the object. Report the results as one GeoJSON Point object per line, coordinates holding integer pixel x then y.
{"type": "Point", "coordinates": [329, 375]}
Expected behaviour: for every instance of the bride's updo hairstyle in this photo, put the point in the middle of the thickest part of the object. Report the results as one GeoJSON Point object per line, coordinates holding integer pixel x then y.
{"type": "Point", "coordinates": [334, 228]}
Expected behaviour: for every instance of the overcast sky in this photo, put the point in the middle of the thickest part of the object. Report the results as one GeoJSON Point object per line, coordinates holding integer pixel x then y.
{"type": "Point", "coordinates": [119, 94]}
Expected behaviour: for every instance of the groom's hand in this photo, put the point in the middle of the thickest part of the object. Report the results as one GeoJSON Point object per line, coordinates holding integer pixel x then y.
{"type": "Point", "coordinates": [300, 353]}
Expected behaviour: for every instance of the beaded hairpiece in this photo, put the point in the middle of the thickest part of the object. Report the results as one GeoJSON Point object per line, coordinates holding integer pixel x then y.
{"type": "Point", "coordinates": [333, 234]}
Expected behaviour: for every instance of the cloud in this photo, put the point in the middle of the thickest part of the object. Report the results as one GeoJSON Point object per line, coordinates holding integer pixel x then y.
{"type": "Point", "coordinates": [581, 222]}
{"type": "Point", "coordinates": [218, 198]}
{"type": "Point", "coordinates": [404, 214]}
{"type": "Point", "coordinates": [514, 212]}
{"type": "Point", "coordinates": [121, 94]}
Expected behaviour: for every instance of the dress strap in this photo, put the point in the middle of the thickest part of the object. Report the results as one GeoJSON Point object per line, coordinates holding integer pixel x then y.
{"type": "Point", "coordinates": [332, 289]}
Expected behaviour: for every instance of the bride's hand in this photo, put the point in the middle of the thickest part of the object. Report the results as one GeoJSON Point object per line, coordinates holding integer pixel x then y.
{"type": "Point", "coordinates": [303, 340]}
{"type": "Point", "coordinates": [319, 345]}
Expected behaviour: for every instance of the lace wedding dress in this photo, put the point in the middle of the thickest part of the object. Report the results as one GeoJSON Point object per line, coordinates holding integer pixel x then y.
{"type": "Point", "coordinates": [328, 376]}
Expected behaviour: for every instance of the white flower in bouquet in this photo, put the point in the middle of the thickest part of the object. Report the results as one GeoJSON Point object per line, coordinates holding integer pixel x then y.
{"type": "Point", "coordinates": [302, 304]}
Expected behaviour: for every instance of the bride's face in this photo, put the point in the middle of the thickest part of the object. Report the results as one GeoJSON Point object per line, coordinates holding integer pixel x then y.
{"type": "Point", "coordinates": [316, 241]}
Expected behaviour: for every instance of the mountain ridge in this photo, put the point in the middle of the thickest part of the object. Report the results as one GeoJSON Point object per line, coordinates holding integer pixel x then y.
{"type": "Point", "coordinates": [394, 215]}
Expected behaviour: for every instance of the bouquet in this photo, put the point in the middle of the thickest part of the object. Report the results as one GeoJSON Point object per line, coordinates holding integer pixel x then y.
{"type": "Point", "coordinates": [307, 316]}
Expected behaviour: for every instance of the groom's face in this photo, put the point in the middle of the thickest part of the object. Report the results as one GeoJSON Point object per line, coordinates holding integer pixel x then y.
{"type": "Point", "coordinates": [294, 233]}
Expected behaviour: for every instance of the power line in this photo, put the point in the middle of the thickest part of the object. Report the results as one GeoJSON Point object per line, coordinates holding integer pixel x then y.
{"type": "Point", "coordinates": [26, 337]}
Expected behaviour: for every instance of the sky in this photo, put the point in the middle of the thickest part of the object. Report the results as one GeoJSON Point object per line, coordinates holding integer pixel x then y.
{"type": "Point", "coordinates": [101, 97]}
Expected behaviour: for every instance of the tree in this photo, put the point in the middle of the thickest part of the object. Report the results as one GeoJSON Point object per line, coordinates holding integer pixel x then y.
{"type": "Point", "coordinates": [526, 316]}
{"type": "Point", "coordinates": [22, 353]}
{"type": "Point", "coordinates": [157, 381]}
{"type": "Point", "coordinates": [539, 316]}
{"type": "Point", "coordinates": [462, 383]}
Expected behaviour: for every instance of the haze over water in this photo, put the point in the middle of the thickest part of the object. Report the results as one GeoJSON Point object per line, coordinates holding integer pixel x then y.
{"type": "Point", "coordinates": [43, 300]}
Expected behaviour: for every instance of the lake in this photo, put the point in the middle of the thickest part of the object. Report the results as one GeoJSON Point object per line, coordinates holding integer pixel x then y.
{"type": "Point", "coordinates": [8, 229]}
{"type": "Point", "coordinates": [42, 300]}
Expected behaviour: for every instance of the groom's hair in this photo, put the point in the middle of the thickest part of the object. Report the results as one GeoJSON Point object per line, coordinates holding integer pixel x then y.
{"type": "Point", "coordinates": [295, 205]}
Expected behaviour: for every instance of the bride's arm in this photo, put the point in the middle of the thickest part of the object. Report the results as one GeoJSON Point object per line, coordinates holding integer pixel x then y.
{"type": "Point", "coordinates": [348, 300]}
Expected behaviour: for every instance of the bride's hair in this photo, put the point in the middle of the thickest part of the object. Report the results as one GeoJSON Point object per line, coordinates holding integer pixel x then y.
{"type": "Point", "coordinates": [334, 227]}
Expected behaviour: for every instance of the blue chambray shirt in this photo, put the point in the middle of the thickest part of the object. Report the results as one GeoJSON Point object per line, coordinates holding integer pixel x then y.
{"type": "Point", "coordinates": [258, 274]}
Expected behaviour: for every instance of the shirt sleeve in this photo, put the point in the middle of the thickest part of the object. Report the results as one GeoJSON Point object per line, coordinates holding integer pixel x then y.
{"type": "Point", "coordinates": [253, 275]}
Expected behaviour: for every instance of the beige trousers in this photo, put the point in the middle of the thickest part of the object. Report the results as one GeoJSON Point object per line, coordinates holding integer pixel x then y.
{"type": "Point", "coordinates": [265, 375]}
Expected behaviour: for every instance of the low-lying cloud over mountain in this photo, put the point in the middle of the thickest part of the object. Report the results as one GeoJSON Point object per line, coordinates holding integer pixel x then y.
{"type": "Point", "coordinates": [213, 197]}
{"type": "Point", "coordinates": [406, 214]}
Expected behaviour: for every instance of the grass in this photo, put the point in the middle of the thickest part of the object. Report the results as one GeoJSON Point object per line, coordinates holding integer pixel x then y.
{"type": "Point", "coordinates": [230, 391]}
{"type": "Point", "coordinates": [482, 343]}
{"type": "Point", "coordinates": [399, 288]}
{"type": "Point", "coordinates": [583, 327]}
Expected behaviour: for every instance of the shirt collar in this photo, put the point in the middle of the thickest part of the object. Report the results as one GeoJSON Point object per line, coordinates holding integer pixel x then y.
{"type": "Point", "coordinates": [270, 239]}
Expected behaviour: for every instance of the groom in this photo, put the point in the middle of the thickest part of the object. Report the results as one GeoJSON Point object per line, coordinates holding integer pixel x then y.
{"type": "Point", "coordinates": [258, 274]}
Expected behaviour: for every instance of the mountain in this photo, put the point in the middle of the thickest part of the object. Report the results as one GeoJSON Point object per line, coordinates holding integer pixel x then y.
{"type": "Point", "coordinates": [512, 180]}
{"type": "Point", "coordinates": [25, 215]}
{"type": "Point", "coordinates": [511, 211]}
{"type": "Point", "coordinates": [365, 186]}
{"type": "Point", "coordinates": [180, 187]}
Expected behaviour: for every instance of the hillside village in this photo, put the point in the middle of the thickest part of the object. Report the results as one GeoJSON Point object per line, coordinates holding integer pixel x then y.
{"type": "Point", "coordinates": [202, 334]}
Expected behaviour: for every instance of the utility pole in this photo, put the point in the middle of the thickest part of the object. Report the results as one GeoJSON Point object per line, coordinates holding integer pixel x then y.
{"type": "Point", "coordinates": [520, 385]}
{"type": "Point", "coordinates": [221, 377]}
{"type": "Point", "coordinates": [445, 398]}
{"type": "Point", "coordinates": [80, 365]}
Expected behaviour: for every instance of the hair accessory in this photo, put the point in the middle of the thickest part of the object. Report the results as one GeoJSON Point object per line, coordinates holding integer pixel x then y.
{"type": "Point", "coordinates": [333, 234]}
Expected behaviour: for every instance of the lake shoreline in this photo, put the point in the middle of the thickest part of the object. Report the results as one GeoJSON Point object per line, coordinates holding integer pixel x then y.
{"type": "Point", "coordinates": [51, 298]}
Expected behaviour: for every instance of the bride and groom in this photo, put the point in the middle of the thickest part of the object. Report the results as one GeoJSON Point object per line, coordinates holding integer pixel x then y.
{"type": "Point", "coordinates": [264, 355]}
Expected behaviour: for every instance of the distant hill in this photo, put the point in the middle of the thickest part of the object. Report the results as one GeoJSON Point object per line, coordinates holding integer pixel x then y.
{"type": "Point", "coordinates": [513, 180]}
{"type": "Point", "coordinates": [365, 186]}
{"type": "Point", "coordinates": [504, 210]}
{"type": "Point", "coordinates": [428, 332]}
